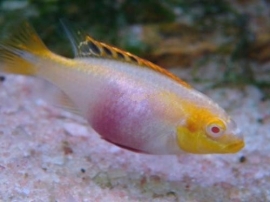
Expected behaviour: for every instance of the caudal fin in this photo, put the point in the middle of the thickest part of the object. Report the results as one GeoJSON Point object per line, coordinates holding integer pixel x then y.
{"type": "Point", "coordinates": [17, 55]}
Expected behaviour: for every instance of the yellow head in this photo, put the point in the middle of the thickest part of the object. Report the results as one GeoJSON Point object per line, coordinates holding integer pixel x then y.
{"type": "Point", "coordinates": [205, 132]}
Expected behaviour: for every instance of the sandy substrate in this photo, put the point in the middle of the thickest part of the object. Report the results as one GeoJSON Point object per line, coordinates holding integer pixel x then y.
{"type": "Point", "coordinates": [50, 155]}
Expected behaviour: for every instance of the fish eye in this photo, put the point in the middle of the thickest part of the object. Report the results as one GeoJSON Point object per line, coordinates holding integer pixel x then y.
{"type": "Point", "coordinates": [215, 129]}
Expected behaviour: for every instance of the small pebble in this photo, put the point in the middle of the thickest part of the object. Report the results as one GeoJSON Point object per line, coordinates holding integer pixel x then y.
{"type": "Point", "coordinates": [242, 159]}
{"type": "Point", "coordinates": [2, 78]}
{"type": "Point", "coordinates": [83, 170]}
{"type": "Point", "coordinates": [260, 120]}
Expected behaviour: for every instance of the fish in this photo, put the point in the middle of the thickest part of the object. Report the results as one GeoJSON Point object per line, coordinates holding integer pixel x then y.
{"type": "Point", "coordinates": [129, 101]}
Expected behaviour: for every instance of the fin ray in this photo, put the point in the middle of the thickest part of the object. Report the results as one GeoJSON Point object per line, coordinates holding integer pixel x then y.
{"type": "Point", "coordinates": [74, 37]}
{"type": "Point", "coordinates": [64, 102]}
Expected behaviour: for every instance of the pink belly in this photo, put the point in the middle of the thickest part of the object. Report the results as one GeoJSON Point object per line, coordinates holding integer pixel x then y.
{"type": "Point", "coordinates": [122, 115]}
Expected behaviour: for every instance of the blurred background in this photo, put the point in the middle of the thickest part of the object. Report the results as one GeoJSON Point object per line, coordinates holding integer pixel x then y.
{"type": "Point", "coordinates": [234, 34]}
{"type": "Point", "coordinates": [221, 47]}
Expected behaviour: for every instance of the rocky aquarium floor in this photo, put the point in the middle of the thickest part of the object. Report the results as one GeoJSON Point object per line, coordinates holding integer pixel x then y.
{"type": "Point", "coordinates": [50, 155]}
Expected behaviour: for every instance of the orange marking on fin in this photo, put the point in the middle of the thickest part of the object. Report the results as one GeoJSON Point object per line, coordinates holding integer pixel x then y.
{"type": "Point", "coordinates": [91, 47]}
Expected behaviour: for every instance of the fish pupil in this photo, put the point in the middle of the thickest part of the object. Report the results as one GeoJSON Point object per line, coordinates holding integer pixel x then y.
{"type": "Point", "coordinates": [215, 129]}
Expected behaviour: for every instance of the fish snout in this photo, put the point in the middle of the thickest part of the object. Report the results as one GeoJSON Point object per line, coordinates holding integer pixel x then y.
{"type": "Point", "coordinates": [235, 147]}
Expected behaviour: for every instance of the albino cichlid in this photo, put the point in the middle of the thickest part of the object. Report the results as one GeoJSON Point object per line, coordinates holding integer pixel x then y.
{"type": "Point", "coordinates": [127, 100]}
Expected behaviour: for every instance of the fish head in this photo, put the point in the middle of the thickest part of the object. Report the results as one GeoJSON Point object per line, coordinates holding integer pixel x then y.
{"type": "Point", "coordinates": [208, 132]}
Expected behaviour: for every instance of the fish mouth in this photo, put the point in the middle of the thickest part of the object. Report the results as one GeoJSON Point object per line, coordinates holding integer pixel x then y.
{"type": "Point", "coordinates": [235, 147]}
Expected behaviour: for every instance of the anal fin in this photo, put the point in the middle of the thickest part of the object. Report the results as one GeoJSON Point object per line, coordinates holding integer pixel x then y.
{"type": "Point", "coordinates": [64, 102]}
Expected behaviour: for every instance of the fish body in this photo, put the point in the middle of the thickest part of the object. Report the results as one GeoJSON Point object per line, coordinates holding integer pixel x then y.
{"type": "Point", "coordinates": [127, 100]}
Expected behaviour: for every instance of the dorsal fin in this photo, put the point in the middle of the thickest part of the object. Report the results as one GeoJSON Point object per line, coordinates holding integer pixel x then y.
{"type": "Point", "coordinates": [74, 37]}
{"type": "Point", "coordinates": [85, 46]}
{"type": "Point", "coordinates": [93, 48]}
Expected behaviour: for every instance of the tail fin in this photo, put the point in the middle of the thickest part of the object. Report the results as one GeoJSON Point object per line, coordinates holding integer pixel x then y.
{"type": "Point", "coordinates": [17, 54]}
